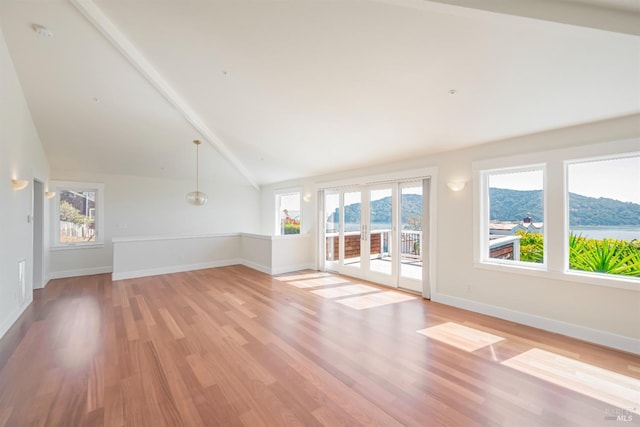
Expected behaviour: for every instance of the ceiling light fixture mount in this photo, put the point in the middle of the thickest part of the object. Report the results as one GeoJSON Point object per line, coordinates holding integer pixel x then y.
{"type": "Point", "coordinates": [197, 198]}
{"type": "Point", "coordinates": [453, 92]}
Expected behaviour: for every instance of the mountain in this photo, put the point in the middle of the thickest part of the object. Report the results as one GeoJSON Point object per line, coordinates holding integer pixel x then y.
{"type": "Point", "coordinates": [514, 205]}
{"type": "Point", "coordinates": [381, 210]}
{"type": "Point", "coordinates": [602, 211]}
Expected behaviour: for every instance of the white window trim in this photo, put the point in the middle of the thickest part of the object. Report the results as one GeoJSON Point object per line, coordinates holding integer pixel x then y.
{"type": "Point", "coordinates": [585, 275]}
{"type": "Point", "coordinates": [58, 186]}
{"type": "Point", "coordinates": [276, 209]}
{"type": "Point", "coordinates": [484, 216]}
{"type": "Point", "coordinates": [556, 217]}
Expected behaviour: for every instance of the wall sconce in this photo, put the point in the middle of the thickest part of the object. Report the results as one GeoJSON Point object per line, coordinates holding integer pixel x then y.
{"type": "Point", "coordinates": [19, 184]}
{"type": "Point", "coordinates": [49, 194]}
{"type": "Point", "coordinates": [456, 185]}
{"type": "Point", "coordinates": [307, 197]}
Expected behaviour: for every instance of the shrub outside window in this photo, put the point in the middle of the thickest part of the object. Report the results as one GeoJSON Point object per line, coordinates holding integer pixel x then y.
{"type": "Point", "coordinates": [603, 215]}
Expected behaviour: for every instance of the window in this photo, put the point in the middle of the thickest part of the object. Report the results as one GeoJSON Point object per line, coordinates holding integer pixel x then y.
{"type": "Point", "coordinates": [78, 214]}
{"type": "Point", "coordinates": [513, 224]}
{"type": "Point", "coordinates": [288, 213]}
{"type": "Point", "coordinates": [576, 213]}
{"type": "Point", "coordinates": [603, 215]}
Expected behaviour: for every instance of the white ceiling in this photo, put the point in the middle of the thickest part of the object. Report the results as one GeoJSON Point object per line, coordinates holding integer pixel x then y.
{"type": "Point", "coordinates": [288, 89]}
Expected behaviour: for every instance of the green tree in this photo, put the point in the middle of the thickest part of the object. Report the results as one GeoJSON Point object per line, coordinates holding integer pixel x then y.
{"type": "Point", "coordinates": [531, 246]}
{"type": "Point", "coordinates": [70, 214]}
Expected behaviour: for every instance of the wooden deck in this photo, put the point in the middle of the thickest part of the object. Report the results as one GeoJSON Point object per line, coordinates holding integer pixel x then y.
{"type": "Point", "coordinates": [232, 346]}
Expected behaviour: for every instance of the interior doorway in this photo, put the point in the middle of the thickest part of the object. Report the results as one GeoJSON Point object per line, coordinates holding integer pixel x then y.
{"type": "Point", "coordinates": [38, 234]}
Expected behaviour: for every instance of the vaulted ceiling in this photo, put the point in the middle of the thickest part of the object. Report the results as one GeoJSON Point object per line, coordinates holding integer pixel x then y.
{"type": "Point", "coordinates": [288, 89]}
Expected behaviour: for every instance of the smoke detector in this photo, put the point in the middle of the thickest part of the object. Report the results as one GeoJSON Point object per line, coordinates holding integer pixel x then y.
{"type": "Point", "coordinates": [42, 31]}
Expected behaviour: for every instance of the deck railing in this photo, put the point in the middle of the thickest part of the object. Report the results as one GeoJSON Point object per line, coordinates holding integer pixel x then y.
{"type": "Point", "coordinates": [380, 243]}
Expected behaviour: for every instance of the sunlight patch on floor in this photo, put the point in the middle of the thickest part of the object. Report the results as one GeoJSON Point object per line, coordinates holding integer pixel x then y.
{"type": "Point", "coordinates": [460, 336]}
{"type": "Point", "coordinates": [301, 276]}
{"type": "Point", "coordinates": [322, 281]}
{"type": "Point", "coordinates": [348, 293]}
{"type": "Point", "coordinates": [347, 290]}
{"type": "Point", "coordinates": [610, 387]}
{"type": "Point", "coordinates": [375, 300]}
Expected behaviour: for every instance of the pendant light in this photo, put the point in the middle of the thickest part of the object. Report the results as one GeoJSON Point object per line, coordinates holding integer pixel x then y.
{"type": "Point", "coordinates": [197, 198]}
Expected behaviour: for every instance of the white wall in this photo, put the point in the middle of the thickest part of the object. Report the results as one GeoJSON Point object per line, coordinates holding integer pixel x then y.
{"type": "Point", "coordinates": [291, 252]}
{"type": "Point", "coordinates": [21, 157]}
{"type": "Point", "coordinates": [137, 257]}
{"type": "Point", "coordinates": [602, 314]}
{"type": "Point", "coordinates": [256, 251]}
{"type": "Point", "coordinates": [148, 256]}
{"type": "Point", "coordinates": [140, 206]}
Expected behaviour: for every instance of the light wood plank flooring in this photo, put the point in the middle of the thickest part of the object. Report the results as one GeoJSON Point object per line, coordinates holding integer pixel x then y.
{"type": "Point", "coordinates": [233, 346]}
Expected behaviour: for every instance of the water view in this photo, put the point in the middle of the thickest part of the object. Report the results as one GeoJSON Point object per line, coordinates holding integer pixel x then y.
{"type": "Point", "coordinates": [599, 233]}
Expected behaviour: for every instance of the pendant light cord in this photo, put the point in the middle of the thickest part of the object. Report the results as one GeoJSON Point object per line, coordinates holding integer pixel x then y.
{"type": "Point", "coordinates": [197, 171]}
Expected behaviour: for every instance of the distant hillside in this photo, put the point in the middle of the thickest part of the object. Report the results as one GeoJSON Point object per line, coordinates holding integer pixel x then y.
{"type": "Point", "coordinates": [602, 211]}
{"type": "Point", "coordinates": [514, 205]}
{"type": "Point", "coordinates": [380, 209]}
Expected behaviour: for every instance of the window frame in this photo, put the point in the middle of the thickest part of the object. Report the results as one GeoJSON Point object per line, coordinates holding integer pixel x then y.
{"type": "Point", "coordinates": [556, 205]}
{"type": "Point", "coordinates": [58, 187]}
{"type": "Point", "coordinates": [567, 220]}
{"type": "Point", "coordinates": [485, 220]}
{"type": "Point", "coordinates": [278, 194]}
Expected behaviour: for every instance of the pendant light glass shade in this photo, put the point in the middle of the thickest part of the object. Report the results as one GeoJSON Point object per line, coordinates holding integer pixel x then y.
{"type": "Point", "coordinates": [197, 198]}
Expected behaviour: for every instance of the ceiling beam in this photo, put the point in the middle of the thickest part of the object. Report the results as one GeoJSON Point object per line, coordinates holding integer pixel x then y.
{"type": "Point", "coordinates": [94, 15]}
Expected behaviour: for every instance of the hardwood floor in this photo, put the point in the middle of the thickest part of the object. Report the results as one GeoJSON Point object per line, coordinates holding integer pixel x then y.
{"type": "Point", "coordinates": [232, 346]}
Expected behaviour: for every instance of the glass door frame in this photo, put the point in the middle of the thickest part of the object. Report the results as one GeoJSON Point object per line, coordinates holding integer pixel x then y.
{"type": "Point", "coordinates": [369, 273]}
{"type": "Point", "coordinates": [405, 281]}
{"type": "Point", "coordinates": [428, 176]}
{"type": "Point", "coordinates": [354, 269]}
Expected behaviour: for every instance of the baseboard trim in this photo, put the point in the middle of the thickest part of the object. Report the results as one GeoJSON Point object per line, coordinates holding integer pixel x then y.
{"type": "Point", "coordinates": [177, 269]}
{"type": "Point", "coordinates": [259, 267]}
{"type": "Point", "coordinates": [619, 342]}
{"type": "Point", "coordinates": [279, 270]}
{"type": "Point", "coordinates": [14, 316]}
{"type": "Point", "coordinates": [80, 272]}
{"type": "Point", "coordinates": [292, 268]}
{"type": "Point", "coordinates": [173, 269]}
